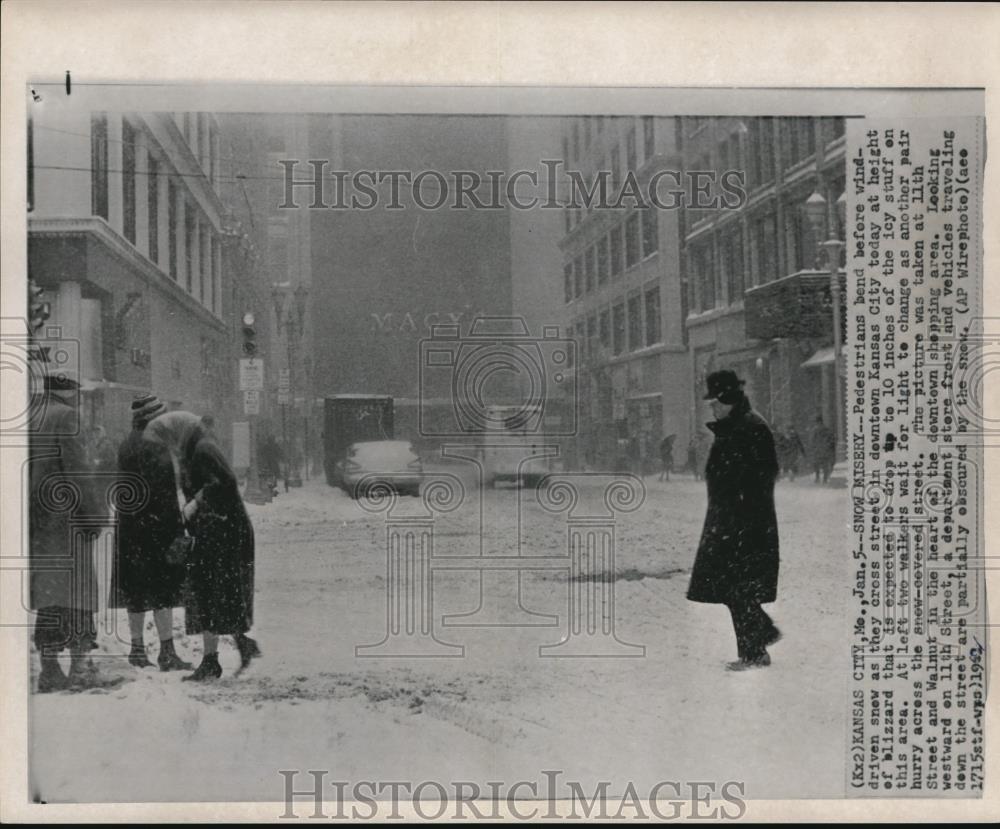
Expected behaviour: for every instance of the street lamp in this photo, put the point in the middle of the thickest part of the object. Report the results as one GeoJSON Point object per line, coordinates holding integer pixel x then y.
{"type": "Point", "coordinates": [821, 222]}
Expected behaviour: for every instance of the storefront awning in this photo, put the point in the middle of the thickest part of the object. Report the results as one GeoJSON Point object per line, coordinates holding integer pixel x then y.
{"type": "Point", "coordinates": [822, 357]}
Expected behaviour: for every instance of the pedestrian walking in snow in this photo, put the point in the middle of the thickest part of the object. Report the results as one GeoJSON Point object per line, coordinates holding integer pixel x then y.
{"type": "Point", "coordinates": [221, 562]}
{"type": "Point", "coordinates": [143, 576]}
{"type": "Point", "coordinates": [824, 445]}
{"type": "Point", "coordinates": [737, 560]}
{"type": "Point", "coordinates": [790, 449]}
{"type": "Point", "coordinates": [666, 456]}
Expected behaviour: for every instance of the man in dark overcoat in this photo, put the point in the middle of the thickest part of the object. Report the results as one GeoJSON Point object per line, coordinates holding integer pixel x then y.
{"type": "Point", "coordinates": [737, 560]}
{"type": "Point", "coordinates": [144, 579]}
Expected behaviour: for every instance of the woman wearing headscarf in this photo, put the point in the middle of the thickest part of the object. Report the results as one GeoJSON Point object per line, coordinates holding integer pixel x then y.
{"type": "Point", "coordinates": [221, 562]}
{"type": "Point", "coordinates": [737, 560]}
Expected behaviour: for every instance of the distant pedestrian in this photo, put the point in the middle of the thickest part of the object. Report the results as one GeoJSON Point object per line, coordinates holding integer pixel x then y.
{"type": "Point", "coordinates": [62, 576]}
{"type": "Point", "coordinates": [737, 560]}
{"type": "Point", "coordinates": [221, 563]}
{"type": "Point", "coordinates": [143, 577]}
{"type": "Point", "coordinates": [667, 456]}
{"type": "Point", "coordinates": [790, 449]}
{"type": "Point", "coordinates": [824, 445]}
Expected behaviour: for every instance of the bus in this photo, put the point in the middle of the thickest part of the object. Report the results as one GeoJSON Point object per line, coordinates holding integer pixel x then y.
{"type": "Point", "coordinates": [515, 447]}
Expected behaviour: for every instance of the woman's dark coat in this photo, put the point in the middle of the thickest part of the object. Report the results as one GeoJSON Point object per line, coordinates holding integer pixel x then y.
{"type": "Point", "coordinates": [142, 578]}
{"type": "Point", "coordinates": [221, 566]}
{"type": "Point", "coordinates": [738, 553]}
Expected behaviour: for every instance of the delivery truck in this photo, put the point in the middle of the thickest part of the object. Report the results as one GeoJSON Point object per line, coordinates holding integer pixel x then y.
{"type": "Point", "coordinates": [351, 418]}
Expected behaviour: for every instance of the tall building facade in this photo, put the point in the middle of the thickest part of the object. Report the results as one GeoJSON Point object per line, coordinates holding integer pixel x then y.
{"type": "Point", "coordinates": [758, 286]}
{"type": "Point", "coordinates": [384, 276]}
{"type": "Point", "coordinates": [624, 294]}
{"type": "Point", "coordinates": [126, 231]}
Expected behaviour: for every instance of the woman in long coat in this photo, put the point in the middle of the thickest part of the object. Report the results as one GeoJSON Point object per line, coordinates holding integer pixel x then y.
{"type": "Point", "coordinates": [737, 560]}
{"type": "Point", "coordinates": [143, 578]}
{"type": "Point", "coordinates": [221, 563]}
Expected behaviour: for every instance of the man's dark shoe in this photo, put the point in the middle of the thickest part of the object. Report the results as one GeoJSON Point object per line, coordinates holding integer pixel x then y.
{"type": "Point", "coordinates": [749, 664]}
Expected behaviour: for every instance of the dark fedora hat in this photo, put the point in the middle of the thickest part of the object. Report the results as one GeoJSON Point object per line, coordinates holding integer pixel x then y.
{"type": "Point", "coordinates": [723, 386]}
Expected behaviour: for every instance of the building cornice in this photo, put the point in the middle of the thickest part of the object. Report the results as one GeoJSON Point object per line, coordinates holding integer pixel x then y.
{"type": "Point", "coordinates": [99, 230]}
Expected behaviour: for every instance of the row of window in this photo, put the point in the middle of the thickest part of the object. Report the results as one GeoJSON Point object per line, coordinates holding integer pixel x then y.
{"type": "Point", "coordinates": [736, 257]}
{"type": "Point", "coordinates": [584, 130]}
{"type": "Point", "coordinates": [628, 324]}
{"type": "Point", "coordinates": [612, 160]}
{"type": "Point", "coordinates": [623, 247]}
{"type": "Point", "coordinates": [757, 146]}
{"type": "Point", "coordinates": [191, 240]}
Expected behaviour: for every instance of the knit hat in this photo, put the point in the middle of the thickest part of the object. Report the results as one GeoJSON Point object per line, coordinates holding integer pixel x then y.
{"type": "Point", "coordinates": [145, 407]}
{"type": "Point", "coordinates": [724, 386]}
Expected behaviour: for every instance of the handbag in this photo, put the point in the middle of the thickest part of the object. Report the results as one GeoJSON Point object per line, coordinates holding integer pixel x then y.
{"type": "Point", "coordinates": [181, 547]}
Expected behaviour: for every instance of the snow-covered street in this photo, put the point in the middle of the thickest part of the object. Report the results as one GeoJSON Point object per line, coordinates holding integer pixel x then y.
{"type": "Point", "coordinates": [499, 712]}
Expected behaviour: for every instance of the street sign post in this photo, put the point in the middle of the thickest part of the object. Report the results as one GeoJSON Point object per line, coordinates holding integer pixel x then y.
{"type": "Point", "coordinates": [251, 402]}
{"type": "Point", "coordinates": [251, 374]}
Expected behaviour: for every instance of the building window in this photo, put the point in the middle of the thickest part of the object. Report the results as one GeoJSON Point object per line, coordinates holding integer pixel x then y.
{"type": "Point", "coordinates": [565, 149]}
{"type": "Point", "coordinates": [212, 274]}
{"type": "Point", "coordinates": [732, 252]}
{"type": "Point", "coordinates": [762, 150]}
{"type": "Point", "coordinates": [204, 266]}
{"type": "Point", "coordinates": [837, 126]}
{"type": "Point", "coordinates": [766, 243]}
{"type": "Point", "coordinates": [632, 240]}
{"type": "Point", "coordinates": [616, 163]}
{"type": "Point", "coordinates": [648, 137]}
{"type": "Point", "coordinates": [635, 341]}
{"type": "Point", "coordinates": [592, 344]}
{"type": "Point", "coordinates": [578, 276]}
{"type": "Point", "coordinates": [653, 332]}
{"type": "Point", "coordinates": [172, 221]}
{"type": "Point", "coordinates": [602, 260]}
{"type": "Point", "coordinates": [703, 260]}
{"type": "Point", "coordinates": [189, 246]}
{"type": "Point", "coordinates": [586, 131]}
{"type": "Point", "coordinates": [591, 268]}
{"type": "Point", "coordinates": [567, 219]}
{"type": "Point", "coordinates": [128, 180]}
{"type": "Point", "coordinates": [616, 250]}
{"type": "Point", "coordinates": [618, 331]}
{"type": "Point", "coordinates": [99, 165]}
{"type": "Point", "coordinates": [568, 282]}
{"type": "Point", "coordinates": [650, 233]}
{"type": "Point", "coordinates": [153, 207]}
{"type": "Point", "coordinates": [604, 333]}
{"type": "Point", "coordinates": [799, 139]}
{"type": "Point", "coordinates": [631, 161]}
{"type": "Point", "coordinates": [581, 342]}
{"type": "Point", "coordinates": [576, 140]}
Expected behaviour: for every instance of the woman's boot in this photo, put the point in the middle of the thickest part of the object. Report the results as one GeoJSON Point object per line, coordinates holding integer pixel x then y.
{"type": "Point", "coordinates": [209, 669]}
{"type": "Point", "coordinates": [168, 660]}
{"type": "Point", "coordinates": [248, 649]}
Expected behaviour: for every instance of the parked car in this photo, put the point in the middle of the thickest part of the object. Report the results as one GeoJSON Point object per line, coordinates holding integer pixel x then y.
{"type": "Point", "coordinates": [390, 462]}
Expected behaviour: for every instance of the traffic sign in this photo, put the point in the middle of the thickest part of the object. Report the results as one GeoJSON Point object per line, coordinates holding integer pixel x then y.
{"type": "Point", "coordinates": [251, 402]}
{"type": "Point", "coordinates": [251, 374]}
